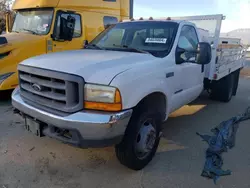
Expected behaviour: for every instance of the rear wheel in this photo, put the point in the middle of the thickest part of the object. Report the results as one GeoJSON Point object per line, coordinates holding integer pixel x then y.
{"type": "Point", "coordinates": [223, 89]}
{"type": "Point", "coordinates": [141, 140]}
{"type": "Point", "coordinates": [236, 81]}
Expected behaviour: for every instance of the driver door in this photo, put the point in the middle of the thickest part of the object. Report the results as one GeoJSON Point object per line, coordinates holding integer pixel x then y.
{"type": "Point", "coordinates": [192, 73]}
{"type": "Point", "coordinates": [78, 38]}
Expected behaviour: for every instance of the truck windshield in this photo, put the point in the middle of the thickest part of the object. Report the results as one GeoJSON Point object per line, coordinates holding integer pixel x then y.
{"type": "Point", "coordinates": [154, 37]}
{"type": "Point", "coordinates": [36, 22]}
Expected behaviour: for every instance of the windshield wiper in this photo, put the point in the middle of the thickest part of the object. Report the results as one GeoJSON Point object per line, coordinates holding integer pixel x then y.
{"type": "Point", "coordinates": [33, 32]}
{"type": "Point", "coordinates": [132, 49]}
{"type": "Point", "coordinates": [95, 46]}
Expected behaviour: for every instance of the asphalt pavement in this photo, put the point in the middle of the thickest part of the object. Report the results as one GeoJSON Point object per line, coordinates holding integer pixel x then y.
{"type": "Point", "coordinates": [28, 161]}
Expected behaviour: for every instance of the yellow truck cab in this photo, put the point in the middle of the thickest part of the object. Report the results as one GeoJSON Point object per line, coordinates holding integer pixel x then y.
{"type": "Point", "coordinates": [45, 26]}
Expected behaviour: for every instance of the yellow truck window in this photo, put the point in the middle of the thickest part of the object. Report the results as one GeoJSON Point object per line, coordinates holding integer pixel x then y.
{"type": "Point", "coordinates": [78, 24]}
{"type": "Point", "coordinates": [33, 21]}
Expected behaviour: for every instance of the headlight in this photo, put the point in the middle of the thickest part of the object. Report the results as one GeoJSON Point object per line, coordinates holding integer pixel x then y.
{"type": "Point", "coordinates": [98, 97]}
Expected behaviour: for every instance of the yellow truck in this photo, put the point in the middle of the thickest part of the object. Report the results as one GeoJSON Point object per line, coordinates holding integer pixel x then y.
{"type": "Point", "coordinates": [45, 26]}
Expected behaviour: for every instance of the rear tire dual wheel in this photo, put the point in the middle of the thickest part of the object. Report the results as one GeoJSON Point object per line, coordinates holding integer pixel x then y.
{"type": "Point", "coordinates": [236, 83]}
{"type": "Point", "coordinates": [141, 140]}
{"type": "Point", "coordinates": [224, 89]}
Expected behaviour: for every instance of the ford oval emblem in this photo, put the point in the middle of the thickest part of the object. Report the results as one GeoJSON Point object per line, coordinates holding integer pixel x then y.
{"type": "Point", "coordinates": [37, 87]}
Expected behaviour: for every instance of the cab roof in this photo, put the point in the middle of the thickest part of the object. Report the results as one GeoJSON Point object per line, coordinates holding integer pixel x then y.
{"type": "Point", "coordinates": [27, 4]}
{"type": "Point", "coordinates": [156, 20]}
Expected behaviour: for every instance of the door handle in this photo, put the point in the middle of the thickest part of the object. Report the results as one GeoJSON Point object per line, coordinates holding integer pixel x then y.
{"type": "Point", "coordinates": [170, 74]}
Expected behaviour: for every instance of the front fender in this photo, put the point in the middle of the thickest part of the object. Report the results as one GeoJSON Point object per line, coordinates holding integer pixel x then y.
{"type": "Point", "coordinates": [8, 64]}
{"type": "Point", "coordinates": [135, 88]}
{"type": "Point", "coordinates": [10, 82]}
{"type": "Point", "coordinates": [130, 101]}
{"type": "Point", "coordinates": [17, 53]}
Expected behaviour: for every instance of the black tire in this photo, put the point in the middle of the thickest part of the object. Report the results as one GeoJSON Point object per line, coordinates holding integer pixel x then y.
{"type": "Point", "coordinates": [236, 81]}
{"type": "Point", "coordinates": [223, 89]}
{"type": "Point", "coordinates": [126, 150]}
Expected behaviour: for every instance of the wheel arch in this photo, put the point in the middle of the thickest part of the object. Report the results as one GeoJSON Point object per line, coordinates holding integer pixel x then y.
{"type": "Point", "coordinates": [157, 100]}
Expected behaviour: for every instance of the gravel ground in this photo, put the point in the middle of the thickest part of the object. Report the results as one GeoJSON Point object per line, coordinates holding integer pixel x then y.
{"type": "Point", "coordinates": [28, 161]}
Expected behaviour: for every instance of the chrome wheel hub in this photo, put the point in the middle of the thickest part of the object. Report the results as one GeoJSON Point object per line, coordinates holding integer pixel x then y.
{"type": "Point", "coordinates": [145, 140]}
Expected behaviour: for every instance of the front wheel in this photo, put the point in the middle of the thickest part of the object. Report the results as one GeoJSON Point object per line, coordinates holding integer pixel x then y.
{"type": "Point", "coordinates": [141, 140]}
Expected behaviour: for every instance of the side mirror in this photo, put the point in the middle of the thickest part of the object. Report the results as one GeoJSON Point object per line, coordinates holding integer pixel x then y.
{"type": "Point", "coordinates": [204, 54]}
{"type": "Point", "coordinates": [67, 27]}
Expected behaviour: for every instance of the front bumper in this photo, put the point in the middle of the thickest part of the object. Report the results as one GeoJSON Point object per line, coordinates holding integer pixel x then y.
{"type": "Point", "coordinates": [89, 129]}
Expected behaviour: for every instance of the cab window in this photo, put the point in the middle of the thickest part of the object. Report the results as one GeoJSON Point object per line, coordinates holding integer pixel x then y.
{"type": "Point", "coordinates": [188, 38]}
{"type": "Point", "coordinates": [155, 37]}
{"type": "Point", "coordinates": [78, 24]}
{"type": "Point", "coordinates": [113, 37]}
{"type": "Point", "coordinates": [189, 42]}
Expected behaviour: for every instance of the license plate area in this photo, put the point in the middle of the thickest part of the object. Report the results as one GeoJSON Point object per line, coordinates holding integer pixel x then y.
{"type": "Point", "coordinates": [33, 126]}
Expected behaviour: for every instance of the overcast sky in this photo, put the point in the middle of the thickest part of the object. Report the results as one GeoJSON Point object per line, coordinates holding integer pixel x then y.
{"type": "Point", "coordinates": [237, 12]}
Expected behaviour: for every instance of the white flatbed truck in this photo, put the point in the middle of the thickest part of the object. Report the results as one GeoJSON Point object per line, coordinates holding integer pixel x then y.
{"type": "Point", "coordinates": [125, 83]}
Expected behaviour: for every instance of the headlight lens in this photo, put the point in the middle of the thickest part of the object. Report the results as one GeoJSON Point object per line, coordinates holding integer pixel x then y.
{"type": "Point", "coordinates": [96, 93]}
{"type": "Point", "coordinates": [100, 97]}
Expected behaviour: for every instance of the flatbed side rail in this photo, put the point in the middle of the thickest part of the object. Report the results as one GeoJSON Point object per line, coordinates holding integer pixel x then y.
{"type": "Point", "coordinates": [229, 59]}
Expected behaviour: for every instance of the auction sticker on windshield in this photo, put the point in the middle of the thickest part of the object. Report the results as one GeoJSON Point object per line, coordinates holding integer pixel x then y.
{"type": "Point", "coordinates": [156, 40]}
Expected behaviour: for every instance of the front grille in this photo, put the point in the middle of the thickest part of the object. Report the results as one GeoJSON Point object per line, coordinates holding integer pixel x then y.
{"type": "Point", "coordinates": [56, 90]}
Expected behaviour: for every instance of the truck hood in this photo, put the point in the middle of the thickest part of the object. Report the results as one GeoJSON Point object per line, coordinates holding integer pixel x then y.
{"type": "Point", "coordinates": [16, 40]}
{"type": "Point", "coordinates": [95, 66]}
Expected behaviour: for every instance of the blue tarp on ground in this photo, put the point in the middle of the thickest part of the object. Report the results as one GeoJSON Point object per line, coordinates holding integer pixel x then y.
{"type": "Point", "coordinates": [223, 138]}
